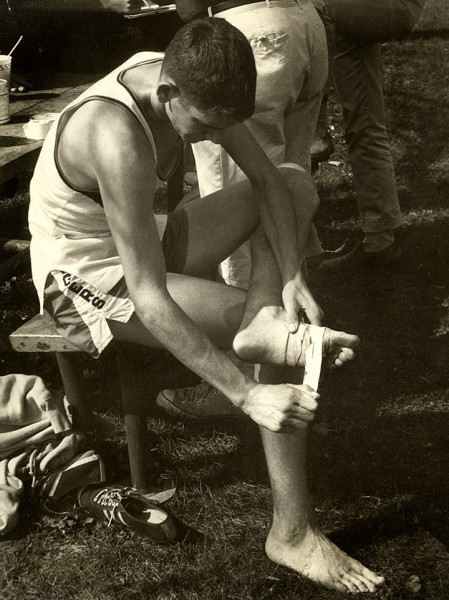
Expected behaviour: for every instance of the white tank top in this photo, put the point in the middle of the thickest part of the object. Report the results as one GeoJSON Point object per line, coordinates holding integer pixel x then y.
{"type": "Point", "coordinates": [69, 230]}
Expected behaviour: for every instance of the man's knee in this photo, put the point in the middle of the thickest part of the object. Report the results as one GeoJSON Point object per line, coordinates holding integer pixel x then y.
{"type": "Point", "coordinates": [301, 184]}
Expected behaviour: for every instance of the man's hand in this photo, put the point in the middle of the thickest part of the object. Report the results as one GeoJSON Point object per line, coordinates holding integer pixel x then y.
{"type": "Point", "coordinates": [297, 297]}
{"type": "Point", "coordinates": [122, 6]}
{"type": "Point", "coordinates": [281, 408]}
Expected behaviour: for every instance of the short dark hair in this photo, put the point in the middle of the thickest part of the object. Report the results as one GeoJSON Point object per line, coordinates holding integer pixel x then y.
{"type": "Point", "coordinates": [212, 64]}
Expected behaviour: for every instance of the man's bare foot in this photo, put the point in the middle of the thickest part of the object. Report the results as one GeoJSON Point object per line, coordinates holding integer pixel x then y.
{"type": "Point", "coordinates": [314, 556]}
{"type": "Point", "coordinates": [267, 340]}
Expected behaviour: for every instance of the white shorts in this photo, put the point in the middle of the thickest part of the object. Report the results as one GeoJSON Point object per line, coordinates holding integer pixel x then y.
{"type": "Point", "coordinates": [81, 311]}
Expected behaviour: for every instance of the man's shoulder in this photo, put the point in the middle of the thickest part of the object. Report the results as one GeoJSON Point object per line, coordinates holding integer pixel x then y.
{"type": "Point", "coordinates": [141, 57]}
{"type": "Point", "coordinates": [95, 112]}
{"type": "Point", "coordinates": [101, 126]}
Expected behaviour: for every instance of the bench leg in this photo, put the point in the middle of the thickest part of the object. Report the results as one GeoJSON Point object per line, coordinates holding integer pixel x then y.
{"type": "Point", "coordinates": [141, 460]}
{"type": "Point", "coordinates": [72, 376]}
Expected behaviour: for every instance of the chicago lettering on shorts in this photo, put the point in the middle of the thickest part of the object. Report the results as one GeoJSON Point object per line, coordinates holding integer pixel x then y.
{"type": "Point", "coordinates": [82, 291]}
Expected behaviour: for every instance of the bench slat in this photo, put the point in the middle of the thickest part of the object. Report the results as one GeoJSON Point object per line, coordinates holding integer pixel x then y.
{"type": "Point", "coordinates": [39, 335]}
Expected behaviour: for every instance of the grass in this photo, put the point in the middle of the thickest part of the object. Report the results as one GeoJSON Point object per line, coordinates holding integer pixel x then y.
{"type": "Point", "coordinates": [379, 451]}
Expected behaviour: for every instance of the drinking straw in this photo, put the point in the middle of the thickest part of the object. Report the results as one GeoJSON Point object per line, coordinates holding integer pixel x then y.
{"type": "Point", "coordinates": [15, 45]}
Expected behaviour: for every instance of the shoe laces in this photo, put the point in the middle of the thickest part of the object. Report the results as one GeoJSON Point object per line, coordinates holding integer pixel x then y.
{"type": "Point", "coordinates": [33, 468]}
{"type": "Point", "coordinates": [110, 499]}
{"type": "Point", "coordinates": [198, 393]}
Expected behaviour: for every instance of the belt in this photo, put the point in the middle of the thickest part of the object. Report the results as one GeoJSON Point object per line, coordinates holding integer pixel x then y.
{"type": "Point", "coordinates": [228, 4]}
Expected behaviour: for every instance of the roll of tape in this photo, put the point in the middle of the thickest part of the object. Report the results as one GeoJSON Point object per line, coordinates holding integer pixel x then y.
{"type": "Point", "coordinates": [39, 125]}
{"type": "Point", "coordinates": [37, 130]}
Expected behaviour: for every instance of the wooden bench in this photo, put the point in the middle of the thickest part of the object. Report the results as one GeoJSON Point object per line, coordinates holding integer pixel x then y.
{"type": "Point", "coordinates": [40, 335]}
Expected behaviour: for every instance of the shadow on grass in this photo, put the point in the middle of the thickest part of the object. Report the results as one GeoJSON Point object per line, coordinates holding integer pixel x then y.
{"type": "Point", "coordinates": [427, 510]}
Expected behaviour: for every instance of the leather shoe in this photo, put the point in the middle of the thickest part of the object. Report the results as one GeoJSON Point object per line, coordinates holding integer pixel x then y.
{"type": "Point", "coordinates": [358, 259]}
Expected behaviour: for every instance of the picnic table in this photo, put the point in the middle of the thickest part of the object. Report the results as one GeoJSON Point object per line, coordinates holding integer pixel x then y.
{"type": "Point", "coordinates": [53, 90]}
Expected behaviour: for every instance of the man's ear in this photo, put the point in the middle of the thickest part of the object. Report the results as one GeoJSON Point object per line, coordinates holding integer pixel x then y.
{"type": "Point", "coordinates": [166, 91]}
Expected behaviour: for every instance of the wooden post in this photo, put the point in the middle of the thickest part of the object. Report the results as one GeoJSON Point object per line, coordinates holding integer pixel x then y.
{"type": "Point", "coordinates": [141, 460]}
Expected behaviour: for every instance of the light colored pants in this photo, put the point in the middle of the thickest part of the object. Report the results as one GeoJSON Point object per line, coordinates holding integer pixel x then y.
{"type": "Point", "coordinates": [290, 50]}
{"type": "Point", "coordinates": [355, 29]}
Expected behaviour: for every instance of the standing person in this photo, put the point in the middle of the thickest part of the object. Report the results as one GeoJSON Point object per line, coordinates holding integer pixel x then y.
{"type": "Point", "coordinates": [355, 29]}
{"type": "Point", "coordinates": [100, 257]}
{"type": "Point", "coordinates": [289, 47]}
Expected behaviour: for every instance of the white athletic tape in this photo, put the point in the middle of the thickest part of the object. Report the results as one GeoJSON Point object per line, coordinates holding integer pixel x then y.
{"type": "Point", "coordinates": [314, 353]}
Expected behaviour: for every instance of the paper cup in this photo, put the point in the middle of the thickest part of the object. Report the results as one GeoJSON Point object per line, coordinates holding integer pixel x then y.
{"type": "Point", "coordinates": [5, 68]}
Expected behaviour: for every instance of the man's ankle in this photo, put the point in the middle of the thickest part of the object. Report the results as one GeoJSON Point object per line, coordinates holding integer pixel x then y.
{"type": "Point", "coordinates": [289, 533]}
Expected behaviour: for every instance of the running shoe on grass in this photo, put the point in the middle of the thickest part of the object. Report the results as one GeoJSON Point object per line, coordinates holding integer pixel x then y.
{"type": "Point", "coordinates": [202, 402]}
{"type": "Point", "coordinates": [128, 507]}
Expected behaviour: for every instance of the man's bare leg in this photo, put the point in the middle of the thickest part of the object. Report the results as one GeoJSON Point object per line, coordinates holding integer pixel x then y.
{"type": "Point", "coordinates": [218, 310]}
{"type": "Point", "coordinates": [294, 540]}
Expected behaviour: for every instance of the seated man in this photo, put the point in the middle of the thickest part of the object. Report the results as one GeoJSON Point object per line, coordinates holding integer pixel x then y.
{"type": "Point", "coordinates": [105, 267]}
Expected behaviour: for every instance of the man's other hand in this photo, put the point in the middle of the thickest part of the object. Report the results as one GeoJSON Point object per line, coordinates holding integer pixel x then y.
{"type": "Point", "coordinates": [281, 408]}
{"type": "Point", "coordinates": [297, 298]}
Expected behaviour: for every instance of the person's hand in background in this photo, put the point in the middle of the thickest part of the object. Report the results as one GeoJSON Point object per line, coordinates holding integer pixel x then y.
{"type": "Point", "coordinates": [123, 6]}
